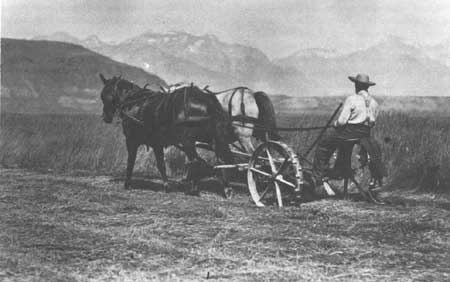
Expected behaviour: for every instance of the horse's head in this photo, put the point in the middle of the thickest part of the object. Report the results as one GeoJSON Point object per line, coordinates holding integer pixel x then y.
{"type": "Point", "coordinates": [112, 95]}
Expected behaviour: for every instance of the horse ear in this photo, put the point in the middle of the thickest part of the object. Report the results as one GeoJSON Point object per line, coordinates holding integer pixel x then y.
{"type": "Point", "coordinates": [104, 80]}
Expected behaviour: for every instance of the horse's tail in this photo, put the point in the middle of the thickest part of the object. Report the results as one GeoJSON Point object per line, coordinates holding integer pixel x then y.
{"type": "Point", "coordinates": [266, 117]}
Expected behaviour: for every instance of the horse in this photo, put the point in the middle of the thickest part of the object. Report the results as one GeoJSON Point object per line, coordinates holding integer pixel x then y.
{"type": "Point", "coordinates": [246, 109]}
{"type": "Point", "coordinates": [157, 119]}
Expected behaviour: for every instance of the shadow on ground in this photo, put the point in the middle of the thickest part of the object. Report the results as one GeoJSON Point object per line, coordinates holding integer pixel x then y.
{"type": "Point", "coordinates": [155, 184]}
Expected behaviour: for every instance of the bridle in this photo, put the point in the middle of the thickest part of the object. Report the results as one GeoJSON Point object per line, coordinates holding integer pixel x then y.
{"type": "Point", "coordinates": [115, 98]}
{"type": "Point", "coordinates": [120, 106]}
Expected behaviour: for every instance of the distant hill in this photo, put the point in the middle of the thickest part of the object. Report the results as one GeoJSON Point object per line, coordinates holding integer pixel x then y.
{"type": "Point", "coordinates": [57, 77]}
{"type": "Point", "coordinates": [92, 41]}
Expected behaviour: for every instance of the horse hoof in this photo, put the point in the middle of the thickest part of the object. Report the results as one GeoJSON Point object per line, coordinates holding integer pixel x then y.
{"type": "Point", "coordinates": [193, 193]}
{"type": "Point", "coordinates": [228, 192]}
{"type": "Point", "coordinates": [166, 187]}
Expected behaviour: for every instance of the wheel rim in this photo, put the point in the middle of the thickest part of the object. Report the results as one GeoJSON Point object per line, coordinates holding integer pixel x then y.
{"type": "Point", "coordinates": [274, 174]}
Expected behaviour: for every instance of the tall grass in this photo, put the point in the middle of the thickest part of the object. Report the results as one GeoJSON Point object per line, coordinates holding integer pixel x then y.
{"type": "Point", "coordinates": [79, 142]}
{"type": "Point", "coordinates": [420, 148]}
{"type": "Point", "coordinates": [66, 143]}
{"type": "Point", "coordinates": [416, 146]}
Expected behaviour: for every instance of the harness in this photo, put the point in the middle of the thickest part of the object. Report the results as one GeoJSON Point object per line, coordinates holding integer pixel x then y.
{"type": "Point", "coordinates": [242, 117]}
{"type": "Point", "coordinates": [230, 104]}
{"type": "Point", "coordinates": [185, 106]}
{"type": "Point", "coordinates": [367, 122]}
{"type": "Point", "coordinates": [145, 94]}
{"type": "Point", "coordinates": [140, 122]}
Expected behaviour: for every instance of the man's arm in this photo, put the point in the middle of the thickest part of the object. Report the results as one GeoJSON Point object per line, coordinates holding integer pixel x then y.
{"type": "Point", "coordinates": [345, 113]}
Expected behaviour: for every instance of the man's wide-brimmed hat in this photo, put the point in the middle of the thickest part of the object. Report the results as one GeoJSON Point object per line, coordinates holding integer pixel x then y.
{"type": "Point", "coordinates": [361, 78]}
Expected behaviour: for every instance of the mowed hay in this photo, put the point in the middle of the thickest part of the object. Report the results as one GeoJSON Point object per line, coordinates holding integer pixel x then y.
{"type": "Point", "coordinates": [66, 228]}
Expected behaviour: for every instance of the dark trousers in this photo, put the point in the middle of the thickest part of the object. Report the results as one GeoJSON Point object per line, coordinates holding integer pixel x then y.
{"type": "Point", "coordinates": [330, 142]}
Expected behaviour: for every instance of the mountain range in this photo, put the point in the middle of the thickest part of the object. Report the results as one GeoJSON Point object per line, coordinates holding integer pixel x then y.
{"type": "Point", "coordinates": [399, 67]}
{"type": "Point", "coordinates": [59, 73]}
{"type": "Point", "coordinates": [205, 60]}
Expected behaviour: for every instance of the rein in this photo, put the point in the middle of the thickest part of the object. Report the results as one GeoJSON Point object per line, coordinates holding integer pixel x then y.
{"type": "Point", "coordinates": [286, 129]}
{"type": "Point", "coordinates": [241, 119]}
{"type": "Point", "coordinates": [135, 101]}
{"type": "Point", "coordinates": [140, 122]}
{"type": "Point", "coordinates": [226, 90]}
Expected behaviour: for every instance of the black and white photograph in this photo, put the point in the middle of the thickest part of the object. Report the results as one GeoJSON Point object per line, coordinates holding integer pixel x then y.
{"type": "Point", "coordinates": [225, 140]}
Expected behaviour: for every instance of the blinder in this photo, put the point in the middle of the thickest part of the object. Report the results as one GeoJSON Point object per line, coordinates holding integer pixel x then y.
{"type": "Point", "coordinates": [111, 103]}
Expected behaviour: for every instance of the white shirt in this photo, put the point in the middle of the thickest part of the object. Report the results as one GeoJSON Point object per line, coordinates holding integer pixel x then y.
{"type": "Point", "coordinates": [359, 108]}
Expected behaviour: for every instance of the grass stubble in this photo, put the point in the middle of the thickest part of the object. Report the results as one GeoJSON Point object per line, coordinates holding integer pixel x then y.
{"type": "Point", "coordinates": [87, 228]}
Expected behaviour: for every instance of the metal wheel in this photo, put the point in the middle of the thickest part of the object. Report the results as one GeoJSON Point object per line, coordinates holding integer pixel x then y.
{"type": "Point", "coordinates": [274, 174]}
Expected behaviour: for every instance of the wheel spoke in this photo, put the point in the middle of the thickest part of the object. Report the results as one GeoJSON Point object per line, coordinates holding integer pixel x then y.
{"type": "Point", "coordinates": [275, 160]}
{"type": "Point", "coordinates": [282, 167]}
{"type": "Point", "coordinates": [261, 172]}
{"type": "Point", "coordinates": [277, 186]}
{"type": "Point", "coordinates": [272, 164]}
{"type": "Point", "coordinates": [265, 191]}
{"type": "Point", "coordinates": [278, 191]}
{"type": "Point", "coordinates": [280, 178]}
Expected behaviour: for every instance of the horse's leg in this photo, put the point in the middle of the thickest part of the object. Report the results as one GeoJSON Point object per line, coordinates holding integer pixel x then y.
{"type": "Point", "coordinates": [191, 175]}
{"type": "Point", "coordinates": [160, 163]}
{"type": "Point", "coordinates": [132, 151]}
{"type": "Point", "coordinates": [223, 152]}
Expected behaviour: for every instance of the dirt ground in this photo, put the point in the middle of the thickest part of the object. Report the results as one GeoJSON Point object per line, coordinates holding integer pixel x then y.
{"type": "Point", "coordinates": [85, 228]}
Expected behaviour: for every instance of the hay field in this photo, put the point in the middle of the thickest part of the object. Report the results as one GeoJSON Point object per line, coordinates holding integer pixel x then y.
{"type": "Point", "coordinates": [64, 215]}
{"type": "Point", "coordinates": [418, 148]}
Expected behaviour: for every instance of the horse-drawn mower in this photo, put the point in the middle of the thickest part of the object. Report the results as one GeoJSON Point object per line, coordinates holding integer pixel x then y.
{"type": "Point", "coordinates": [277, 175]}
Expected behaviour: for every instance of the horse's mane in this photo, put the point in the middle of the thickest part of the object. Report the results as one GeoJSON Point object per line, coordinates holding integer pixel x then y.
{"type": "Point", "coordinates": [135, 92]}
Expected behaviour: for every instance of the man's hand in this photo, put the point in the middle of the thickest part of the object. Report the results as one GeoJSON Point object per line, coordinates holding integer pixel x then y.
{"type": "Point", "coordinates": [335, 124]}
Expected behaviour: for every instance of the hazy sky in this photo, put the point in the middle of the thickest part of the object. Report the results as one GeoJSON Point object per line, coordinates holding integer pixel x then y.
{"type": "Point", "coordinates": [275, 26]}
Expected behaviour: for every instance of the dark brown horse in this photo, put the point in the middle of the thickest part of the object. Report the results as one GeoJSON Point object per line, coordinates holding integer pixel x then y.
{"type": "Point", "coordinates": [159, 120]}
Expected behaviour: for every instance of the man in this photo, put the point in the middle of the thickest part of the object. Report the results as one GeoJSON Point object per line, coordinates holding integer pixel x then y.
{"type": "Point", "coordinates": [357, 117]}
